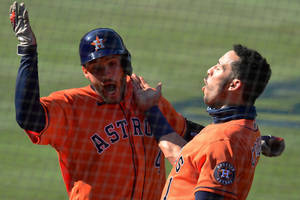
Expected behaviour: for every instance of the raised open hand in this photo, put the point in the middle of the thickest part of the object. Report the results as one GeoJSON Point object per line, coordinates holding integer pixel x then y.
{"type": "Point", "coordinates": [20, 23]}
{"type": "Point", "coordinates": [145, 96]}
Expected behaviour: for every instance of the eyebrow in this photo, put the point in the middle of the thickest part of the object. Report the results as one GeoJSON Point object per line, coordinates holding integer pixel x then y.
{"type": "Point", "coordinates": [223, 67]}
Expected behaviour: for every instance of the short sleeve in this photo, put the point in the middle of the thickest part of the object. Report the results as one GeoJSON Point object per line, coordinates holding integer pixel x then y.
{"type": "Point", "coordinates": [175, 119]}
{"type": "Point", "coordinates": [56, 120]}
{"type": "Point", "coordinates": [217, 174]}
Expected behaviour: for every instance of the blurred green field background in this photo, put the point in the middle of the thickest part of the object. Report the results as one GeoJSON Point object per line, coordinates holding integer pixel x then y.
{"type": "Point", "coordinates": [171, 41]}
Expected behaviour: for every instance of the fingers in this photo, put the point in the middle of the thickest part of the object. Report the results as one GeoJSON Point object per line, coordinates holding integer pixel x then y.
{"type": "Point", "coordinates": [26, 18]}
{"type": "Point", "coordinates": [15, 7]}
{"type": "Point", "coordinates": [140, 83]}
{"type": "Point", "coordinates": [13, 13]}
{"type": "Point", "coordinates": [22, 11]}
{"type": "Point", "coordinates": [144, 84]}
{"type": "Point", "coordinates": [12, 8]}
{"type": "Point", "coordinates": [17, 12]}
{"type": "Point", "coordinates": [135, 81]}
{"type": "Point", "coordinates": [158, 87]}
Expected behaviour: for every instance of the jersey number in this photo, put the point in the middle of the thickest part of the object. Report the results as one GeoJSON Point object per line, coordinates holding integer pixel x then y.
{"type": "Point", "coordinates": [157, 159]}
{"type": "Point", "coordinates": [179, 163]}
{"type": "Point", "coordinates": [168, 189]}
{"type": "Point", "coordinates": [177, 168]}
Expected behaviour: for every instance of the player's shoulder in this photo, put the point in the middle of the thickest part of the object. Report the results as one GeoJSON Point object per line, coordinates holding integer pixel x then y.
{"type": "Point", "coordinates": [86, 90]}
{"type": "Point", "coordinates": [228, 130]}
{"type": "Point", "coordinates": [72, 94]}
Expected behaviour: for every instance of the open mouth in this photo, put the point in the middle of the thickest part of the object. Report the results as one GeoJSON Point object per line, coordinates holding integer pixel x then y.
{"type": "Point", "coordinates": [110, 88]}
{"type": "Point", "coordinates": [205, 81]}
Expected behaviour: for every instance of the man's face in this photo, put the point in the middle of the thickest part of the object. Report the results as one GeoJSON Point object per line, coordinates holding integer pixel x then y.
{"type": "Point", "coordinates": [107, 77]}
{"type": "Point", "coordinates": [218, 80]}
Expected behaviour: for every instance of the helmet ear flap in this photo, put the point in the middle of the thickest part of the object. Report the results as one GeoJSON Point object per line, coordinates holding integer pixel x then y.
{"type": "Point", "coordinates": [126, 63]}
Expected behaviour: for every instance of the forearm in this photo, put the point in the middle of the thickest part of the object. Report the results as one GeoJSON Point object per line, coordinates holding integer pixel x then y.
{"type": "Point", "coordinates": [168, 140]}
{"type": "Point", "coordinates": [30, 114]}
{"type": "Point", "coordinates": [171, 145]}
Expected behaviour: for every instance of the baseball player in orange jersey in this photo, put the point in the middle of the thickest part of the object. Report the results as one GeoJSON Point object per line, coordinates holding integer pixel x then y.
{"type": "Point", "coordinates": [111, 153]}
{"type": "Point", "coordinates": [219, 162]}
{"type": "Point", "coordinates": [106, 148]}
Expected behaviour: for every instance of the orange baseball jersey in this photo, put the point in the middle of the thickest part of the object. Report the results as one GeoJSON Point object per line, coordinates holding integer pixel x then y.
{"type": "Point", "coordinates": [221, 159]}
{"type": "Point", "coordinates": [108, 146]}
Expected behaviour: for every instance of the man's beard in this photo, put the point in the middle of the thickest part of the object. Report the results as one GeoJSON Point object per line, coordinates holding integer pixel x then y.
{"type": "Point", "coordinates": [218, 101]}
{"type": "Point", "coordinates": [121, 91]}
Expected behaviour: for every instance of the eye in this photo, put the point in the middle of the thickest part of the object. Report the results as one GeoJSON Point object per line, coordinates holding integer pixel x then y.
{"type": "Point", "coordinates": [219, 67]}
{"type": "Point", "coordinates": [96, 69]}
{"type": "Point", "coordinates": [112, 63]}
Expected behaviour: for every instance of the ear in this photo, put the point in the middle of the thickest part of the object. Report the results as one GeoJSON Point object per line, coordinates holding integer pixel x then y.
{"type": "Point", "coordinates": [235, 84]}
{"type": "Point", "coordinates": [85, 71]}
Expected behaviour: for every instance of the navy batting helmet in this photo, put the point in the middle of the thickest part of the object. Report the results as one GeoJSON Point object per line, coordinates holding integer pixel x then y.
{"type": "Point", "coordinates": [104, 42]}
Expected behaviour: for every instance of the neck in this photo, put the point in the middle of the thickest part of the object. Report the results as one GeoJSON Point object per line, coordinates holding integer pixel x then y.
{"type": "Point", "coordinates": [229, 113]}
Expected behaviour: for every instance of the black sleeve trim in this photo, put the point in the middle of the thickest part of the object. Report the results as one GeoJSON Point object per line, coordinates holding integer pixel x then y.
{"type": "Point", "coordinates": [223, 191]}
{"type": "Point", "coordinates": [203, 195]}
{"type": "Point", "coordinates": [192, 129]}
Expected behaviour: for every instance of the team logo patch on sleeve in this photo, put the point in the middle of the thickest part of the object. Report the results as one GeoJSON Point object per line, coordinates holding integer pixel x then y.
{"type": "Point", "coordinates": [224, 173]}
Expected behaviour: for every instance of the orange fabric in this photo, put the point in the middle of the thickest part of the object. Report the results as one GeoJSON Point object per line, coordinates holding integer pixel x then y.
{"type": "Point", "coordinates": [108, 146]}
{"type": "Point", "coordinates": [221, 159]}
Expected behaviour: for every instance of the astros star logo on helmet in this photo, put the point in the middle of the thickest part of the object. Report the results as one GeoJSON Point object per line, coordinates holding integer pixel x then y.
{"type": "Point", "coordinates": [98, 43]}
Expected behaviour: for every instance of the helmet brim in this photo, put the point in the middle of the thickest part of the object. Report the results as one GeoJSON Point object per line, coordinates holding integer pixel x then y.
{"type": "Point", "coordinates": [102, 53]}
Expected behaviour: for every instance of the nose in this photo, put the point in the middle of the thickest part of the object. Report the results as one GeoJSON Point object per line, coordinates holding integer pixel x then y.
{"type": "Point", "coordinates": [107, 71]}
{"type": "Point", "coordinates": [210, 71]}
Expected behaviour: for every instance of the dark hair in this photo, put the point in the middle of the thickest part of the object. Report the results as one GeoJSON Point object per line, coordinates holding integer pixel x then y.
{"type": "Point", "coordinates": [253, 70]}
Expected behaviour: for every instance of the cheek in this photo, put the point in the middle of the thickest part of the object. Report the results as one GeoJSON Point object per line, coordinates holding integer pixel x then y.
{"type": "Point", "coordinates": [94, 81]}
{"type": "Point", "coordinates": [119, 76]}
{"type": "Point", "coordinates": [213, 91]}
{"type": "Point", "coordinates": [211, 88]}
{"type": "Point", "coordinates": [119, 73]}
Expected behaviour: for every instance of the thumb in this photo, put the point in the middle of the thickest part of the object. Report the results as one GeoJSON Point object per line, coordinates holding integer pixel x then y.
{"type": "Point", "coordinates": [158, 87]}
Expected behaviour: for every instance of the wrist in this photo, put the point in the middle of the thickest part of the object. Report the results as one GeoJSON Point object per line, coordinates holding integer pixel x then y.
{"type": "Point", "coordinates": [158, 123]}
{"type": "Point", "coordinates": [23, 50]}
{"type": "Point", "coordinates": [152, 109]}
